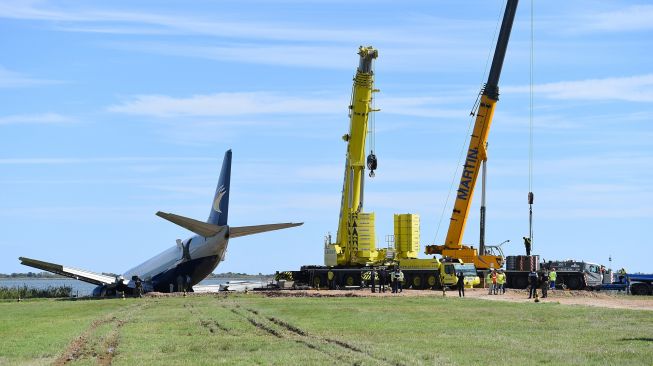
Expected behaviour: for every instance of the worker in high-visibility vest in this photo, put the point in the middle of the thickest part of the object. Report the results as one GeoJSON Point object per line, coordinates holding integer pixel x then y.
{"type": "Point", "coordinates": [394, 276]}
{"type": "Point", "coordinates": [552, 278]}
{"type": "Point", "coordinates": [501, 281]}
{"type": "Point", "coordinates": [330, 277]}
{"type": "Point", "coordinates": [488, 281]}
{"type": "Point", "coordinates": [400, 280]}
{"type": "Point", "coordinates": [495, 286]}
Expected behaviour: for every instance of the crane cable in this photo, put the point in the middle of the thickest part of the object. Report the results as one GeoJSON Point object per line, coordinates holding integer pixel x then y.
{"type": "Point", "coordinates": [530, 140]}
{"type": "Point", "coordinates": [472, 114]}
{"type": "Point", "coordinates": [371, 158]}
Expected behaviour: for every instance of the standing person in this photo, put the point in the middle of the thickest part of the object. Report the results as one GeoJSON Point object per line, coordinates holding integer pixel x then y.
{"type": "Point", "coordinates": [545, 283]}
{"type": "Point", "coordinates": [552, 278]}
{"type": "Point", "coordinates": [495, 286]}
{"type": "Point", "coordinates": [400, 280]}
{"type": "Point", "coordinates": [461, 284]}
{"type": "Point", "coordinates": [393, 278]}
{"type": "Point", "coordinates": [532, 278]}
{"type": "Point", "coordinates": [527, 244]}
{"type": "Point", "coordinates": [383, 278]}
{"type": "Point", "coordinates": [501, 281]}
{"type": "Point", "coordinates": [330, 277]}
{"type": "Point", "coordinates": [373, 279]}
{"type": "Point", "coordinates": [488, 281]}
{"type": "Point", "coordinates": [189, 284]}
{"type": "Point", "coordinates": [139, 287]}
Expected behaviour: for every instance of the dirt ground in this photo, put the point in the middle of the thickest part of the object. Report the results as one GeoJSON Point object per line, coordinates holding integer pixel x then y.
{"type": "Point", "coordinates": [585, 298]}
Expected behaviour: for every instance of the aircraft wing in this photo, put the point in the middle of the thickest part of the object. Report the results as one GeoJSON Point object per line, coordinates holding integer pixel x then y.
{"type": "Point", "coordinates": [236, 231]}
{"type": "Point", "coordinates": [78, 274]}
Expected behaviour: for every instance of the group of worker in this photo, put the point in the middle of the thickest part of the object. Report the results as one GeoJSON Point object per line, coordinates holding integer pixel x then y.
{"type": "Point", "coordinates": [396, 279]}
{"type": "Point", "coordinates": [496, 281]}
{"type": "Point", "coordinates": [545, 280]}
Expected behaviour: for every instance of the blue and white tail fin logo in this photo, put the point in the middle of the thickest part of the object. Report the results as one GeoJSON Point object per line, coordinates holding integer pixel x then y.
{"type": "Point", "coordinates": [218, 198]}
{"type": "Point", "coordinates": [220, 207]}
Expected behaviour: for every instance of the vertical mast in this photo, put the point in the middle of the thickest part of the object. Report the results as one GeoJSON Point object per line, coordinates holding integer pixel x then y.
{"type": "Point", "coordinates": [359, 110]}
{"type": "Point", "coordinates": [476, 152]}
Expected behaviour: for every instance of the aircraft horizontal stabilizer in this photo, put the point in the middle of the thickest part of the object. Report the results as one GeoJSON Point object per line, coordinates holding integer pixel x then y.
{"type": "Point", "coordinates": [198, 227]}
{"type": "Point", "coordinates": [235, 232]}
{"type": "Point", "coordinates": [78, 274]}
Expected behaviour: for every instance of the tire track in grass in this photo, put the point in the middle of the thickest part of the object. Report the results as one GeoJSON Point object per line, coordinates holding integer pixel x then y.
{"type": "Point", "coordinates": [86, 346]}
{"type": "Point", "coordinates": [214, 326]}
{"type": "Point", "coordinates": [317, 342]}
{"type": "Point", "coordinates": [280, 335]}
{"type": "Point", "coordinates": [336, 342]}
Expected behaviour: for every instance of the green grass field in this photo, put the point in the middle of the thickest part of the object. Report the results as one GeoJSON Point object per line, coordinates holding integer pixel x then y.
{"type": "Point", "coordinates": [252, 329]}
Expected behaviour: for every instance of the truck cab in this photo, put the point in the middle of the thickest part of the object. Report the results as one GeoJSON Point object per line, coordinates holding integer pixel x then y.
{"type": "Point", "coordinates": [449, 277]}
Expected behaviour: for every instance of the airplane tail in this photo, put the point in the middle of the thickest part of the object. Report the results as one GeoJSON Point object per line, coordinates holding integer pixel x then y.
{"type": "Point", "coordinates": [220, 206]}
{"type": "Point", "coordinates": [219, 211]}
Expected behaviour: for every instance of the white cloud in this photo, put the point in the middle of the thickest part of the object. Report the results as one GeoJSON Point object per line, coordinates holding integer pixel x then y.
{"type": "Point", "coordinates": [202, 25]}
{"type": "Point", "coordinates": [227, 104]}
{"type": "Point", "coordinates": [258, 103]}
{"type": "Point", "coordinates": [633, 89]}
{"type": "Point", "coordinates": [43, 118]}
{"type": "Point", "coordinates": [632, 18]}
{"type": "Point", "coordinates": [12, 79]}
{"type": "Point", "coordinates": [127, 159]}
{"type": "Point", "coordinates": [417, 106]}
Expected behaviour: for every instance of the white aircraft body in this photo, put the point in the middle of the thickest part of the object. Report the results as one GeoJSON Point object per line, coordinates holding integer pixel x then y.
{"type": "Point", "coordinates": [182, 266]}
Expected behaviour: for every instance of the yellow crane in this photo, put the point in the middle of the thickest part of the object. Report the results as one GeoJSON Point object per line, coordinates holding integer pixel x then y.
{"type": "Point", "coordinates": [353, 258]}
{"type": "Point", "coordinates": [476, 155]}
{"type": "Point", "coordinates": [355, 240]}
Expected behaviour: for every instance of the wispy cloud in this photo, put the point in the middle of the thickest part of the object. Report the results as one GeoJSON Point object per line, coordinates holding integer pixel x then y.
{"type": "Point", "coordinates": [126, 159]}
{"type": "Point", "coordinates": [83, 20]}
{"type": "Point", "coordinates": [406, 42]}
{"type": "Point", "coordinates": [12, 79]}
{"type": "Point", "coordinates": [632, 89]}
{"type": "Point", "coordinates": [320, 56]}
{"type": "Point", "coordinates": [226, 104]}
{"type": "Point", "coordinates": [631, 18]}
{"type": "Point", "coordinates": [260, 103]}
{"type": "Point", "coordinates": [43, 118]}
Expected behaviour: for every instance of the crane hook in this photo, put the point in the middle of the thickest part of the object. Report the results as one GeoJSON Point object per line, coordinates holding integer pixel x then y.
{"type": "Point", "coordinates": [371, 163]}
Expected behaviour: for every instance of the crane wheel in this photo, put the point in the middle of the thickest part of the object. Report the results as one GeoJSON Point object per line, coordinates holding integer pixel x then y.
{"type": "Point", "coordinates": [349, 280]}
{"type": "Point", "coordinates": [431, 281]}
{"type": "Point", "coordinates": [417, 282]}
{"type": "Point", "coordinates": [573, 283]}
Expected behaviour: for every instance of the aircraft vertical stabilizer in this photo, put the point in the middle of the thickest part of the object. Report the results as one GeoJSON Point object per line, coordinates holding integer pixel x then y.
{"type": "Point", "coordinates": [220, 205]}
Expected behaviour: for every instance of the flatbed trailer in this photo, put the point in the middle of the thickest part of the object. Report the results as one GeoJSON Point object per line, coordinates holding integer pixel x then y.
{"type": "Point", "coordinates": [571, 274]}
{"type": "Point", "coordinates": [634, 283]}
{"type": "Point", "coordinates": [566, 280]}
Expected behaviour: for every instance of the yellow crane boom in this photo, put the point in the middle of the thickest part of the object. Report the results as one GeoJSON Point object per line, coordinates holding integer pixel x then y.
{"type": "Point", "coordinates": [355, 240]}
{"type": "Point", "coordinates": [476, 154]}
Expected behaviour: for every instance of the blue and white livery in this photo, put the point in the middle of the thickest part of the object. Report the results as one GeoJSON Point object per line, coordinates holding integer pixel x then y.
{"type": "Point", "coordinates": [182, 266]}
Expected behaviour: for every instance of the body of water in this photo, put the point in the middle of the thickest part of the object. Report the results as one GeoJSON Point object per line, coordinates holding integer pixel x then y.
{"type": "Point", "coordinates": [86, 289]}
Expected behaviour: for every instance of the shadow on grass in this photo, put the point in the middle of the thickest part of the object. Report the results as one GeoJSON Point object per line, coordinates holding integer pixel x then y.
{"type": "Point", "coordinates": [645, 339]}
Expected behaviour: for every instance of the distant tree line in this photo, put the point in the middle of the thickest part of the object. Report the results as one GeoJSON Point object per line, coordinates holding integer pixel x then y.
{"type": "Point", "coordinates": [52, 275]}
{"type": "Point", "coordinates": [31, 275]}
{"type": "Point", "coordinates": [25, 292]}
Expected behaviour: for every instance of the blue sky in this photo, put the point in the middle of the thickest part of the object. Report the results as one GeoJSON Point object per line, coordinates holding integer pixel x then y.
{"type": "Point", "coordinates": [114, 110]}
